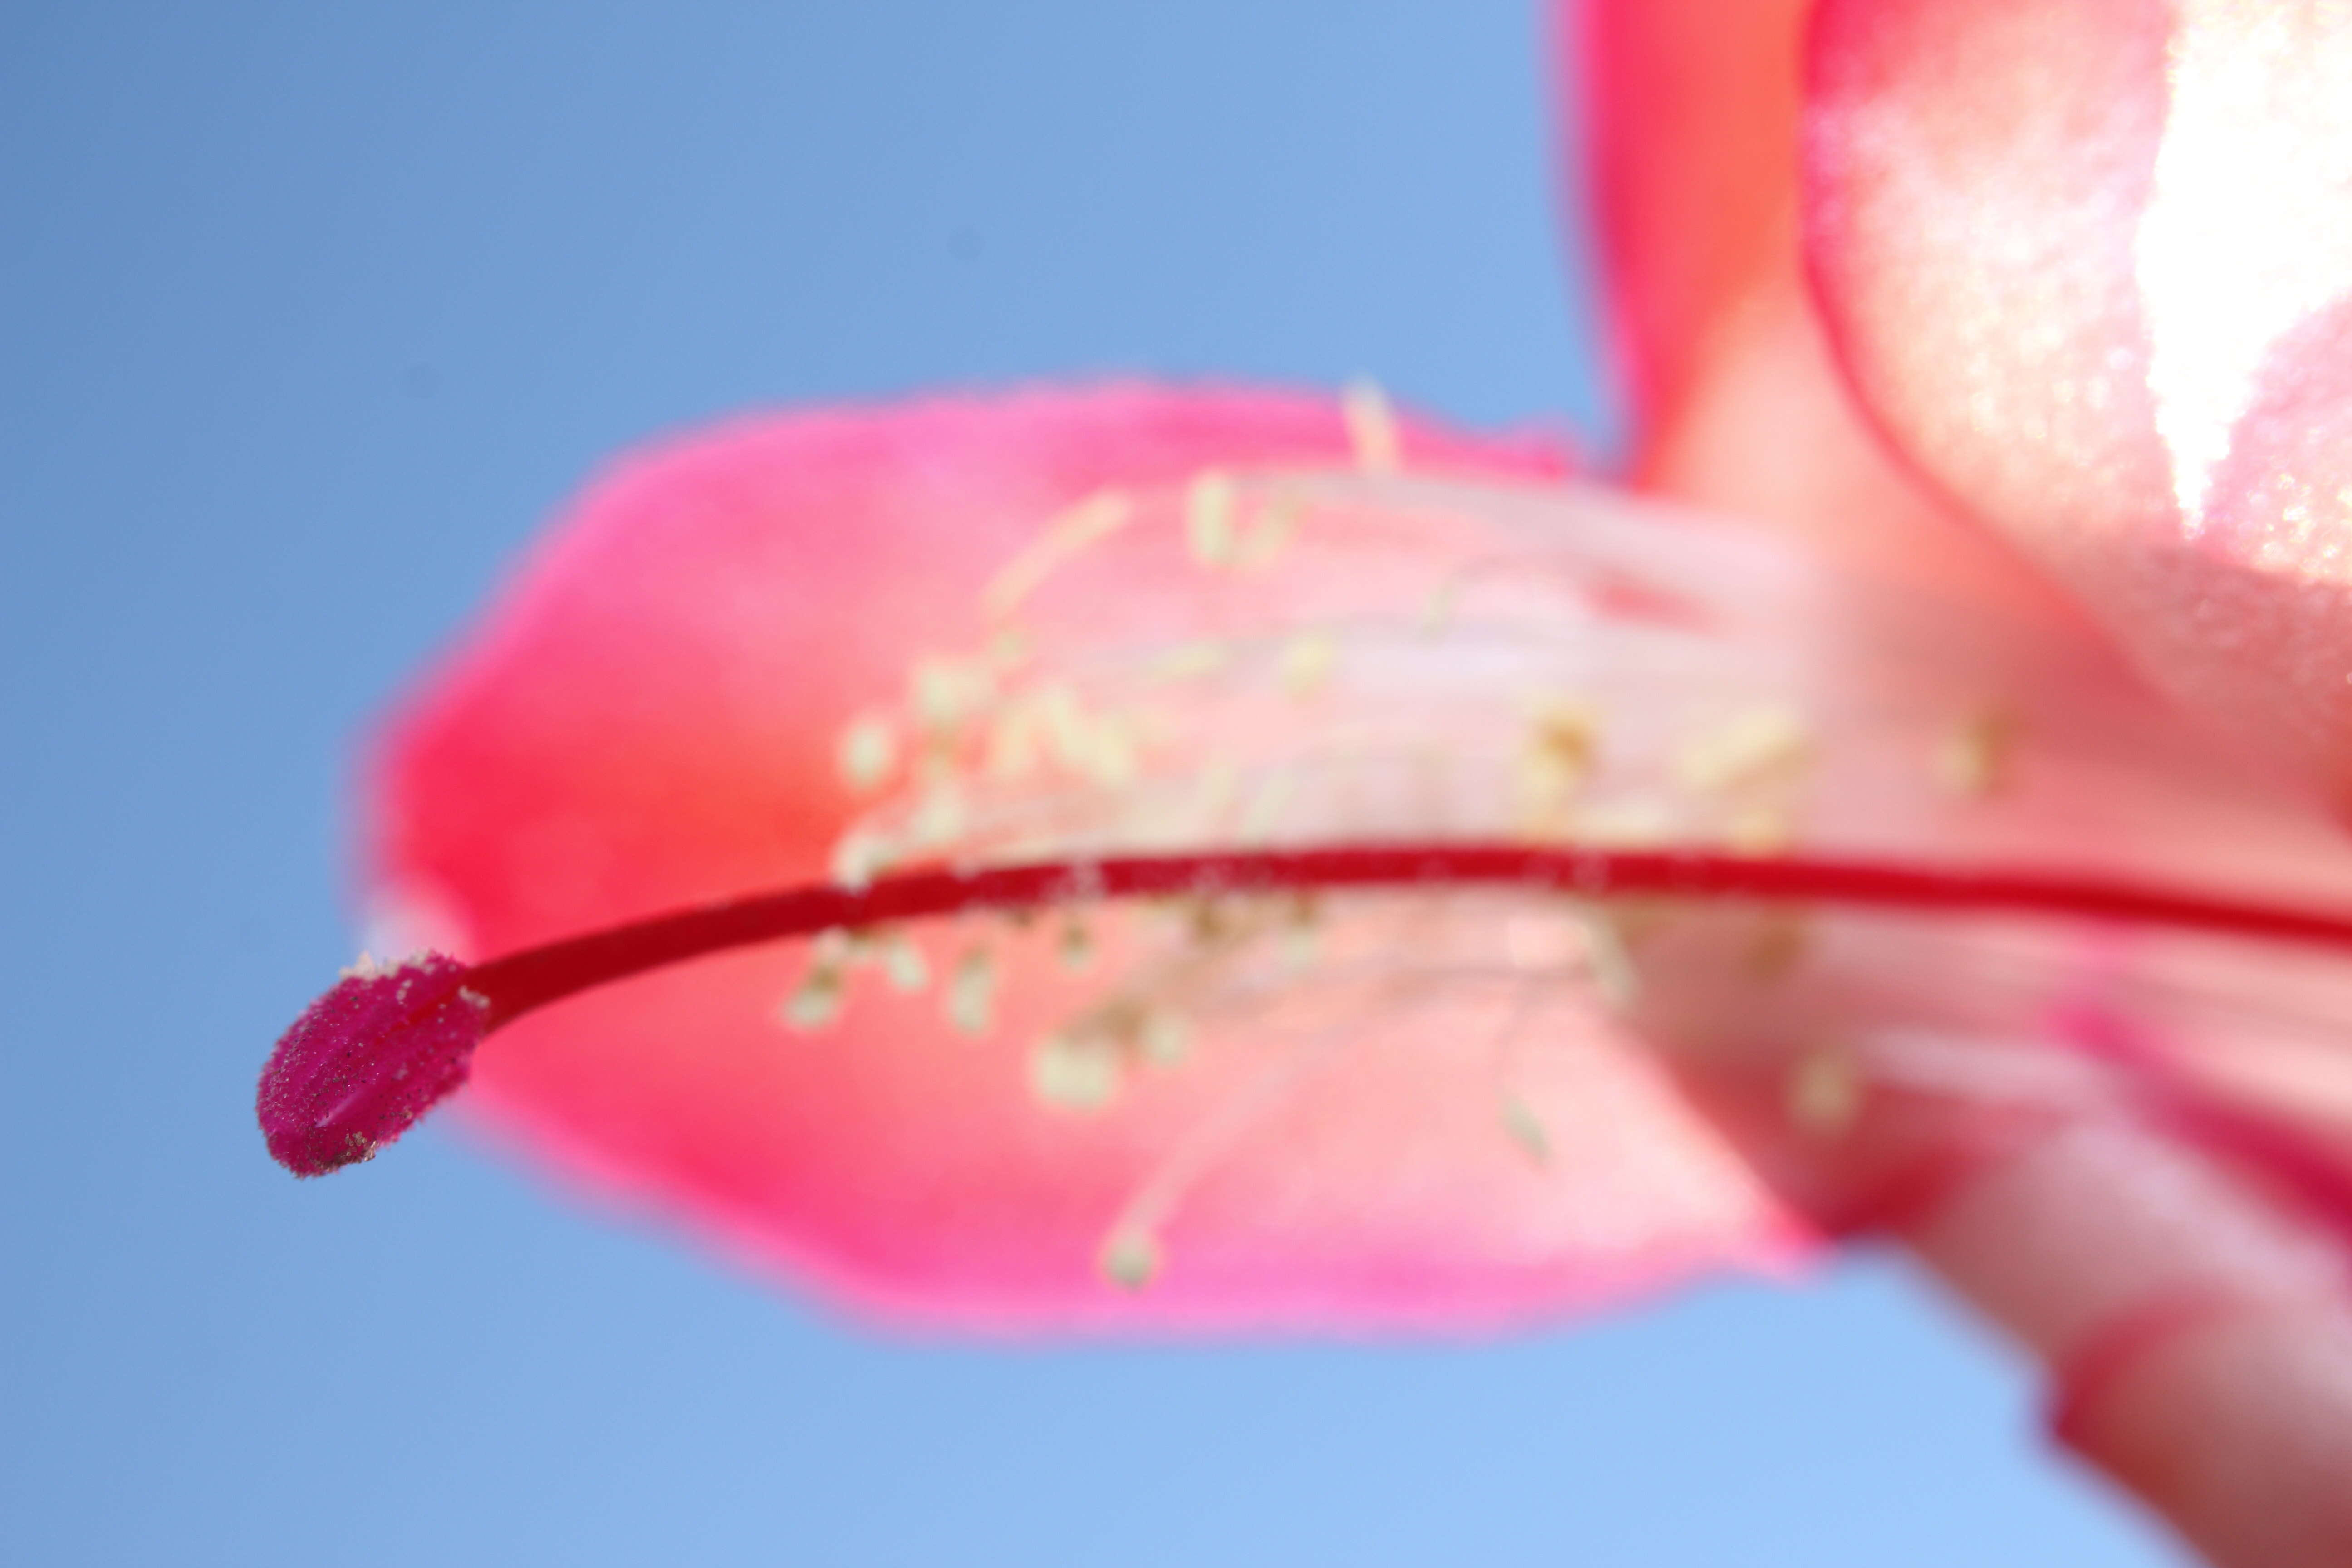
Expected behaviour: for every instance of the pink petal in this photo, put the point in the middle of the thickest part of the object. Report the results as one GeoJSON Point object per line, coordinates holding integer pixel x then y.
{"type": "Point", "coordinates": [2088, 264]}
{"type": "Point", "coordinates": [1401, 1127]}
{"type": "Point", "coordinates": [2194, 1326]}
{"type": "Point", "coordinates": [1690, 144]}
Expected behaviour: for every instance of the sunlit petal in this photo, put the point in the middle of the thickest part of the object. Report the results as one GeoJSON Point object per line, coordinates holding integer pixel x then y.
{"type": "Point", "coordinates": [2087, 263]}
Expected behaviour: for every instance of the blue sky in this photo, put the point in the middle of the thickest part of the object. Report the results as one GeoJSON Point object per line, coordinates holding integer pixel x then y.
{"type": "Point", "coordinates": [309, 315]}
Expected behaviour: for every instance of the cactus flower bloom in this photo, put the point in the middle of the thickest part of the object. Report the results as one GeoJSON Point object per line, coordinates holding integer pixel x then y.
{"type": "Point", "coordinates": [1201, 856]}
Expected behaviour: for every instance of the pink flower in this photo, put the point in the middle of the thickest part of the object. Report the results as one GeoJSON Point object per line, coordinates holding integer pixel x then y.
{"type": "Point", "coordinates": [2083, 265]}
{"type": "Point", "coordinates": [1272, 860]}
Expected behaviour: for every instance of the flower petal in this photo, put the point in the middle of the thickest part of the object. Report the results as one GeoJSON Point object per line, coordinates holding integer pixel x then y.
{"type": "Point", "coordinates": [1069, 625]}
{"type": "Point", "coordinates": [2195, 1328]}
{"type": "Point", "coordinates": [2088, 264]}
{"type": "Point", "coordinates": [1689, 141]}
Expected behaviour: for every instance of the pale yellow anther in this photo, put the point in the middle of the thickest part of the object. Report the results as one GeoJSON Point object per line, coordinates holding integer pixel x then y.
{"type": "Point", "coordinates": [366, 967]}
{"type": "Point", "coordinates": [1301, 934]}
{"type": "Point", "coordinates": [859, 856]}
{"type": "Point", "coordinates": [1191, 662]}
{"type": "Point", "coordinates": [971, 1000]}
{"type": "Point", "coordinates": [1263, 813]}
{"type": "Point", "coordinates": [1372, 431]}
{"type": "Point", "coordinates": [1109, 758]}
{"type": "Point", "coordinates": [1129, 1259]}
{"type": "Point", "coordinates": [1635, 823]}
{"type": "Point", "coordinates": [817, 1000]}
{"type": "Point", "coordinates": [1074, 1072]}
{"type": "Point", "coordinates": [1102, 748]}
{"type": "Point", "coordinates": [1823, 1094]}
{"type": "Point", "coordinates": [1097, 517]}
{"type": "Point", "coordinates": [1778, 945]}
{"type": "Point", "coordinates": [1008, 649]}
{"type": "Point", "coordinates": [1208, 922]}
{"type": "Point", "coordinates": [945, 692]}
{"type": "Point", "coordinates": [1074, 945]}
{"type": "Point", "coordinates": [1555, 757]}
{"type": "Point", "coordinates": [1208, 519]}
{"type": "Point", "coordinates": [1015, 740]}
{"type": "Point", "coordinates": [1301, 948]}
{"type": "Point", "coordinates": [1973, 759]}
{"type": "Point", "coordinates": [838, 947]}
{"type": "Point", "coordinates": [1302, 911]}
{"type": "Point", "coordinates": [1164, 1038]}
{"type": "Point", "coordinates": [1437, 608]}
{"type": "Point", "coordinates": [1308, 657]}
{"type": "Point", "coordinates": [903, 963]}
{"type": "Point", "coordinates": [1063, 719]}
{"type": "Point", "coordinates": [1526, 1130]}
{"type": "Point", "coordinates": [1763, 744]}
{"type": "Point", "coordinates": [1759, 830]}
{"type": "Point", "coordinates": [868, 751]}
{"type": "Point", "coordinates": [1609, 960]}
{"type": "Point", "coordinates": [1564, 736]}
{"type": "Point", "coordinates": [1270, 533]}
{"type": "Point", "coordinates": [1214, 787]}
{"type": "Point", "coordinates": [940, 817]}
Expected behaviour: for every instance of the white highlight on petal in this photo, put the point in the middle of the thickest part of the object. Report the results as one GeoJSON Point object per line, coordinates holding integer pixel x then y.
{"type": "Point", "coordinates": [2249, 227]}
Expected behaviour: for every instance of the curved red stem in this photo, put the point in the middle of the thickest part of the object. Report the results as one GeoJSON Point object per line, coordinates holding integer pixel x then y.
{"type": "Point", "coordinates": [520, 982]}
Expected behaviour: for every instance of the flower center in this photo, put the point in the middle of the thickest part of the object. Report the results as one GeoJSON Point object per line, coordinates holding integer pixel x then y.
{"type": "Point", "coordinates": [1252, 772]}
